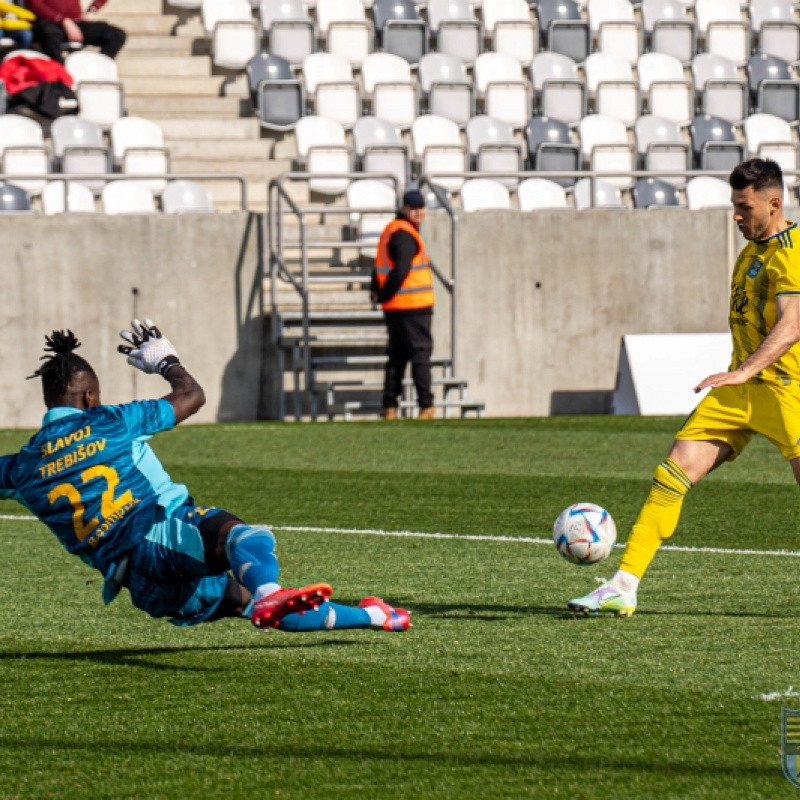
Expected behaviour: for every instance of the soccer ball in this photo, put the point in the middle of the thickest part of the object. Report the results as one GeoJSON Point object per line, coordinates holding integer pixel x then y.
{"type": "Point", "coordinates": [584, 533]}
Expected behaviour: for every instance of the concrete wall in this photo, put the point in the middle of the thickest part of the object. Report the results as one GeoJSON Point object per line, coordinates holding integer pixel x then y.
{"type": "Point", "coordinates": [195, 275]}
{"type": "Point", "coordinates": [544, 299]}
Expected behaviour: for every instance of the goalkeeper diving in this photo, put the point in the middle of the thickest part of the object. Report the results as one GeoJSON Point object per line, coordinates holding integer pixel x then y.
{"type": "Point", "coordinates": [89, 475]}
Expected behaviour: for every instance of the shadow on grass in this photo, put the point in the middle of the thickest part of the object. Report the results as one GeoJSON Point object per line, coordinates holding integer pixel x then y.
{"type": "Point", "coordinates": [586, 764]}
{"type": "Point", "coordinates": [136, 657]}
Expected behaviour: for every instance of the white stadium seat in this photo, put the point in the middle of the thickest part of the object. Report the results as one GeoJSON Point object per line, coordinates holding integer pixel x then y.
{"type": "Point", "coordinates": [437, 149]}
{"type": "Point", "coordinates": [561, 93]}
{"type": "Point", "coordinates": [380, 148]}
{"type": "Point", "coordinates": [97, 85]}
{"type": "Point", "coordinates": [368, 226]}
{"type": "Point", "coordinates": [716, 80]}
{"type": "Point", "coordinates": [446, 87]}
{"type": "Point", "coordinates": [389, 85]}
{"type": "Point", "coordinates": [183, 197]}
{"type": "Point", "coordinates": [235, 36]}
{"type": "Point", "coordinates": [79, 198]}
{"type": "Point", "coordinates": [22, 151]}
{"type": "Point", "coordinates": [609, 80]}
{"type": "Point", "coordinates": [605, 147]}
{"type": "Point", "coordinates": [661, 147]}
{"type": "Point", "coordinates": [128, 197]}
{"type": "Point", "coordinates": [78, 147]}
{"type": "Point", "coordinates": [322, 148]}
{"type": "Point", "coordinates": [482, 194]}
{"type": "Point", "coordinates": [138, 148]}
{"type": "Point", "coordinates": [767, 136]}
{"type": "Point", "coordinates": [492, 148]}
{"type": "Point", "coordinates": [535, 193]}
{"type": "Point", "coordinates": [661, 81]}
{"type": "Point", "coordinates": [606, 194]}
{"type": "Point", "coordinates": [501, 84]}
{"type": "Point", "coordinates": [328, 79]}
{"type": "Point", "coordinates": [706, 192]}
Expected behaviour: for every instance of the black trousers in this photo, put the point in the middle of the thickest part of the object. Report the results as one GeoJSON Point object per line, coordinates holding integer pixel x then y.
{"type": "Point", "coordinates": [409, 340]}
{"type": "Point", "coordinates": [52, 39]}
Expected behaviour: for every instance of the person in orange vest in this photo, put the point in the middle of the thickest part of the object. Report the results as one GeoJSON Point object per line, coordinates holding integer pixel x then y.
{"type": "Point", "coordinates": [403, 284]}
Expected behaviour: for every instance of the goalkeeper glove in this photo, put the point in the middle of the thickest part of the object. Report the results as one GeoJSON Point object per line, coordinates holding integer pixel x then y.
{"type": "Point", "coordinates": [147, 349]}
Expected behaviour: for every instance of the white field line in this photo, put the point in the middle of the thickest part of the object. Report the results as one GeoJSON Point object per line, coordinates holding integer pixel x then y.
{"type": "Point", "coordinates": [485, 538]}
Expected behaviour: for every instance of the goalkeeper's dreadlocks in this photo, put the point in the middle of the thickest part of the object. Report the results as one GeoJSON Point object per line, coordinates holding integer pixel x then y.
{"type": "Point", "coordinates": [62, 371]}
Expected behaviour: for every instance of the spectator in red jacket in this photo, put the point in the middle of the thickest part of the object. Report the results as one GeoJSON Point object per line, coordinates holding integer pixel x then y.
{"type": "Point", "coordinates": [62, 21]}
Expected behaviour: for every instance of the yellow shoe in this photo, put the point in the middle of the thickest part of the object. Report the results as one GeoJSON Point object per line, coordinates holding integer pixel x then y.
{"type": "Point", "coordinates": [427, 413]}
{"type": "Point", "coordinates": [389, 413]}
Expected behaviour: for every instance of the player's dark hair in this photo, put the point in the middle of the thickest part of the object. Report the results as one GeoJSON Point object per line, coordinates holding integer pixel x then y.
{"type": "Point", "coordinates": [58, 368]}
{"type": "Point", "coordinates": [760, 173]}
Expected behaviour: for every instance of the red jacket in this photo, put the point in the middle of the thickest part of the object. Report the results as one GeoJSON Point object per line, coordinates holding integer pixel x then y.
{"type": "Point", "coordinates": [20, 72]}
{"type": "Point", "coordinates": [59, 10]}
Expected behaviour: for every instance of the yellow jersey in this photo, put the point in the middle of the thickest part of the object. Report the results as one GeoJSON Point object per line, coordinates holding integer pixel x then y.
{"type": "Point", "coordinates": [765, 270]}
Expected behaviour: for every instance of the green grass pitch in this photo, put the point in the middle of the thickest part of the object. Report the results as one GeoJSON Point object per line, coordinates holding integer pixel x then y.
{"type": "Point", "coordinates": [496, 692]}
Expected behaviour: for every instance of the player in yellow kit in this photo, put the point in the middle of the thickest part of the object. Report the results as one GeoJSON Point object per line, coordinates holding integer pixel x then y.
{"type": "Point", "coordinates": [760, 393]}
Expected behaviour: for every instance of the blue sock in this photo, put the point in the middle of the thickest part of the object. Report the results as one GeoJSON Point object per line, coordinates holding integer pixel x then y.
{"type": "Point", "coordinates": [328, 617]}
{"type": "Point", "coordinates": [251, 554]}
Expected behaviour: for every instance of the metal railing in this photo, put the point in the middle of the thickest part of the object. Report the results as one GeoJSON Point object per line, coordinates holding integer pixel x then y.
{"type": "Point", "coordinates": [103, 177]}
{"type": "Point", "coordinates": [279, 204]}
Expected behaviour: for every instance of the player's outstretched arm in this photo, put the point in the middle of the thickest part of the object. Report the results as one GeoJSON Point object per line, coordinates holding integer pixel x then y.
{"type": "Point", "coordinates": [151, 352]}
{"type": "Point", "coordinates": [780, 340]}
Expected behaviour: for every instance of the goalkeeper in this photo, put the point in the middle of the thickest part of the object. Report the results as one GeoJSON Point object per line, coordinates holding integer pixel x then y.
{"type": "Point", "coordinates": [90, 476]}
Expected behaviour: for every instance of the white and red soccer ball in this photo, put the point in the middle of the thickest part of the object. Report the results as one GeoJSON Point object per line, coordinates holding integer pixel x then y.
{"type": "Point", "coordinates": [584, 533]}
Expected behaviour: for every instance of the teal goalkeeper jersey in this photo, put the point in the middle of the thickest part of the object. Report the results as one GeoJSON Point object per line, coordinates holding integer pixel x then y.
{"type": "Point", "coordinates": [92, 479]}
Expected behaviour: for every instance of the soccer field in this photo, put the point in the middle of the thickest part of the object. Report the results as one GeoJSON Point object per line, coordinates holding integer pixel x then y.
{"type": "Point", "coordinates": [497, 691]}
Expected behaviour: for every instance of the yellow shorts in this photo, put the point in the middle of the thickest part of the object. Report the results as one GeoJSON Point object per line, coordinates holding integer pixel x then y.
{"type": "Point", "coordinates": [734, 414]}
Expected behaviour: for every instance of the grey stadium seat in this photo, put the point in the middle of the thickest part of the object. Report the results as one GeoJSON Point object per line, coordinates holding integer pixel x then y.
{"type": "Point", "coordinates": [773, 90]}
{"type": "Point", "coordinates": [651, 193]}
{"type": "Point", "coordinates": [400, 30]}
{"type": "Point", "coordinates": [275, 92]}
{"type": "Point", "coordinates": [564, 29]}
{"type": "Point", "coordinates": [12, 198]}
{"type": "Point", "coordinates": [550, 148]}
{"type": "Point", "coordinates": [714, 144]}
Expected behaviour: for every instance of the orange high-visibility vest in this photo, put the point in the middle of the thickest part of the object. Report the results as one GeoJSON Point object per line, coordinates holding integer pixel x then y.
{"type": "Point", "coordinates": [416, 291]}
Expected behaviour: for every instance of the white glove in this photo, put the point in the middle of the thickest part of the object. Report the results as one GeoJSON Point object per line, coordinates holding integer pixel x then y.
{"type": "Point", "coordinates": [147, 349]}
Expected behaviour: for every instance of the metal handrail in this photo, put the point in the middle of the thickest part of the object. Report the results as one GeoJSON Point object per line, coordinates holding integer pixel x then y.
{"type": "Point", "coordinates": [108, 177]}
{"type": "Point", "coordinates": [276, 196]}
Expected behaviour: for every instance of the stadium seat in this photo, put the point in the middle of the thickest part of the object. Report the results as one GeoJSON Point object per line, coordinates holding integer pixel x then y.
{"type": "Point", "coordinates": [654, 193]}
{"type": "Point", "coordinates": [234, 34]}
{"type": "Point", "coordinates": [292, 38]}
{"type": "Point", "coordinates": [400, 30]}
{"type": "Point", "coordinates": [22, 151]}
{"type": "Point", "coordinates": [609, 80]}
{"type": "Point", "coordinates": [184, 197]}
{"type": "Point", "coordinates": [328, 81]}
{"type": "Point", "coordinates": [379, 148]}
{"type": "Point", "coordinates": [703, 192]}
{"type": "Point", "coordinates": [437, 149]}
{"type": "Point", "coordinates": [501, 85]}
{"type": "Point", "coordinates": [535, 193]}
{"type": "Point", "coordinates": [550, 148]}
{"type": "Point", "coordinates": [446, 88]}
{"type": "Point", "coordinates": [726, 33]}
{"type": "Point", "coordinates": [716, 80]}
{"type": "Point", "coordinates": [483, 194]}
{"type": "Point", "coordinates": [620, 38]}
{"type": "Point", "coordinates": [780, 38]}
{"type": "Point", "coordinates": [661, 148]}
{"type": "Point", "coordinates": [508, 23]}
{"type": "Point", "coordinates": [138, 147]}
{"type": "Point", "coordinates": [456, 29]}
{"type": "Point", "coordinates": [321, 148]}
{"type": "Point", "coordinates": [390, 88]}
{"type": "Point", "coordinates": [128, 197]}
{"type": "Point", "coordinates": [275, 92]}
{"type": "Point", "coordinates": [343, 24]}
{"type": "Point", "coordinates": [368, 226]}
{"type": "Point", "coordinates": [670, 30]}
{"type": "Point", "coordinates": [492, 148]}
{"type": "Point", "coordinates": [661, 81]}
{"type": "Point", "coordinates": [97, 85]}
{"type": "Point", "coordinates": [560, 92]}
{"type": "Point", "coordinates": [714, 143]}
{"type": "Point", "coordinates": [78, 197]}
{"type": "Point", "coordinates": [273, 10]}
{"type": "Point", "coordinates": [606, 194]}
{"type": "Point", "coordinates": [767, 136]}
{"type": "Point", "coordinates": [564, 28]}
{"type": "Point", "coordinates": [762, 11]}
{"type": "Point", "coordinates": [773, 89]}
{"type": "Point", "coordinates": [14, 199]}
{"type": "Point", "coordinates": [605, 148]}
{"type": "Point", "coordinates": [600, 11]}
{"type": "Point", "coordinates": [78, 147]}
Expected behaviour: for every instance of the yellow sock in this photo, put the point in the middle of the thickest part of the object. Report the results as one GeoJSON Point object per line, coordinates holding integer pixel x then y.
{"type": "Point", "coordinates": [658, 518]}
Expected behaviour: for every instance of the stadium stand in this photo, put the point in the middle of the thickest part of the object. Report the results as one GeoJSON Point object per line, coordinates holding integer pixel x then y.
{"type": "Point", "coordinates": [481, 194]}
{"type": "Point", "coordinates": [100, 92]}
{"type": "Point", "coordinates": [128, 197]}
{"type": "Point", "coordinates": [78, 197]}
{"type": "Point", "coordinates": [535, 193]}
{"type": "Point", "coordinates": [138, 148]}
{"type": "Point", "coordinates": [182, 197]}
{"type": "Point", "coordinates": [78, 147]}
{"type": "Point", "coordinates": [23, 151]}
